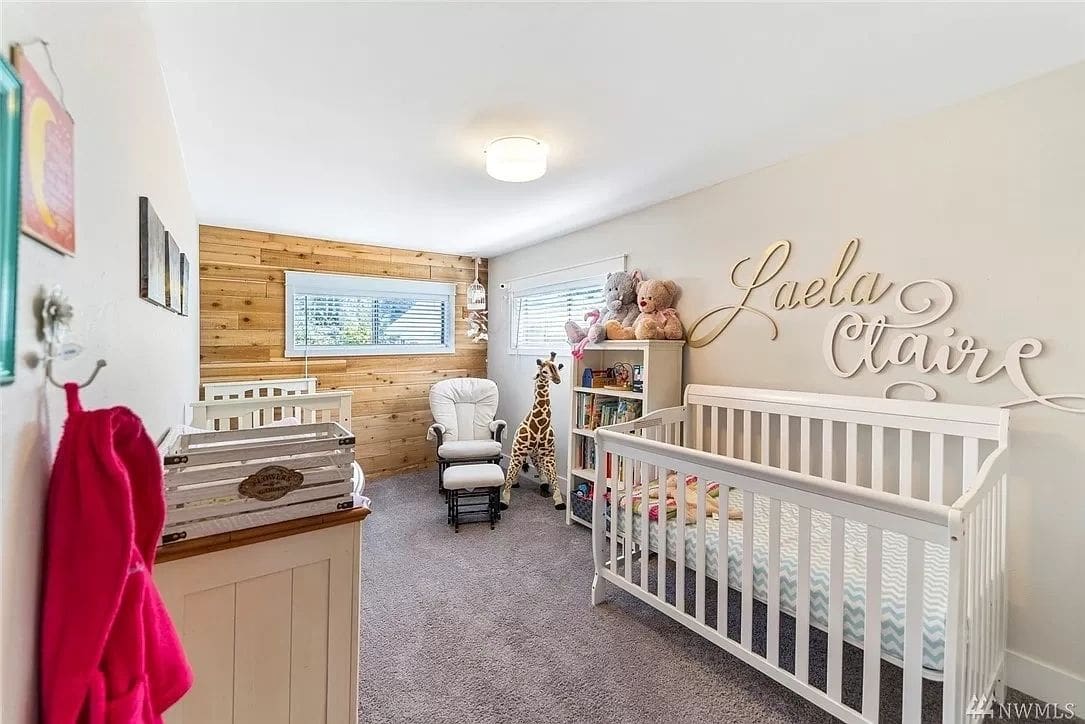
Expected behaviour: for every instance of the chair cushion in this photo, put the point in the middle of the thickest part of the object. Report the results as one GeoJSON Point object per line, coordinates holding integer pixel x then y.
{"type": "Point", "coordinates": [469, 477]}
{"type": "Point", "coordinates": [465, 406]}
{"type": "Point", "coordinates": [469, 449]}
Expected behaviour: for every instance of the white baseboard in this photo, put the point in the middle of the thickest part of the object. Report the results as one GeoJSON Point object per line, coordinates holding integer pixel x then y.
{"type": "Point", "coordinates": [1043, 681]}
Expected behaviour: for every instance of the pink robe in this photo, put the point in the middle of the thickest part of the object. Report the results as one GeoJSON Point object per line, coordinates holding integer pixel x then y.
{"type": "Point", "coordinates": [109, 652]}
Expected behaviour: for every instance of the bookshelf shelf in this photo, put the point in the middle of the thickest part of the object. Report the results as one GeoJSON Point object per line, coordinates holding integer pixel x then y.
{"type": "Point", "coordinates": [578, 519]}
{"type": "Point", "coordinates": [661, 376]}
{"type": "Point", "coordinates": [626, 394]}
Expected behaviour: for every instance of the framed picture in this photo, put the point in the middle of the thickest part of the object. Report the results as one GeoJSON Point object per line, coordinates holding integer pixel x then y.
{"type": "Point", "coordinates": [152, 254]}
{"type": "Point", "coordinates": [10, 136]}
{"type": "Point", "coordinates": [47, 194]}
{"type": "Point", "coordinates": [185, 289]}
{"type": "Point", "coordinates": [173, 274]}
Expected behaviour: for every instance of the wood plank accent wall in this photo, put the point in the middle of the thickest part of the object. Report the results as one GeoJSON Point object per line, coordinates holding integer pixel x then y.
{"type": "Point", "coordinates": [243, 323]}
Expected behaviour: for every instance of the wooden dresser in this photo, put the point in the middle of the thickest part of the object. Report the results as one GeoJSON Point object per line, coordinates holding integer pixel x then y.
{"type": "Point", "coordinates": [269, 620]}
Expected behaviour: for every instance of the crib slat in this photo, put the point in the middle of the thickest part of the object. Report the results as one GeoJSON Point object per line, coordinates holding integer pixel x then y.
{"type": "Point", "coordinates": [906, 463]}
{"type": "Point", "coordinates": [766, 438]}
{"type": "Point", "coordinates": [835, 653]}
{"type": "Point", "coordinates": [680, 544]}
{"type": "Point", "coordinates": [913, 634]}
{"type": "Point", "coordinates": [614, 513]}
{"type": "Point", "coordinates": [785, 442]}
{"type": "Point", "coordinates": [723, 564]}
{"type": "Point", "coordinates": [802, 614]}
{"type": "Point", "coordinates": [701, 525]}
{"type": "Point", "coordinates": [661, 539]}
{"type": "Point", "coordinates": [1003, 583]}
{"type": "Point", "coordinates": [804, 445]}
{"type": "Point", "coordinates": [625, 474]}
{"type": "Point", "coordinates": [827, 449]}
{"type": "Point", "coordinates": [714, 441]}
{"type": "Point", "coordinates": [729, 447]}
{"type": "Point", "coordinates": [872, 635]}
{"type": "Point", "coordinates": [851, 472]}
{"type": "Point", "coordinates": [877, 457]}
{"type": "Point", "coordinates": [645, 522]}
{"type": "Point", "coordinates": [955, 664]}
{"type": "Point", "coordinates": [984, 642]}
{"type": "Point", "coordinates": [772, 626]}
{"type": "Point", "coordinates": [747, 435]}
{"type": "Point", "coordinates": [990, 631]}
{"type": "Point", "coordinates": [697, 412]}
{"type": "Point", "coordinates": [938, 445]}
{"type": "Point", "coordinates": [970, 463]}
{"type": "Point", "coordinates": [972, 534]}
{"type": "Point", "coordinates": [747, 569]}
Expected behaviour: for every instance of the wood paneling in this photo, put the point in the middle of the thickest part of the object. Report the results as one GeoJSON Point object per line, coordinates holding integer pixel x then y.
{"type": "Point", "coordinates": [242, 333]}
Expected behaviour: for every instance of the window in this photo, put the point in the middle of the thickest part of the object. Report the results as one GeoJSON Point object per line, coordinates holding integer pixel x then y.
{"type": "Point", "coordinates": [539, 315]}
{"type": "Point", "coordinates": [540, 304]}
{"type": "Point", "coordinates": [336, 314]}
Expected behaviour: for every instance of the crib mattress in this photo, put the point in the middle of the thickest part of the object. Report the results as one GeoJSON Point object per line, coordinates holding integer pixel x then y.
{"type": "Point", "coordinates": [894, 573]}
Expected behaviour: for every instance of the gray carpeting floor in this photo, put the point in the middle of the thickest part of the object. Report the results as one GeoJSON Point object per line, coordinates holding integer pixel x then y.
{"type": "Point", "coordinates": [496, 626]}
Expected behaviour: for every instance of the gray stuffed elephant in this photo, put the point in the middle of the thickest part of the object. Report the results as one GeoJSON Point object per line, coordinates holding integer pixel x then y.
{"type": "Point", "coordinates": [620, 310]}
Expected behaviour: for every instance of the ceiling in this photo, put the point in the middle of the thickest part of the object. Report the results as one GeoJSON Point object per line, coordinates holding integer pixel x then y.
{"type": "Point", "coordinates": [366, 122]}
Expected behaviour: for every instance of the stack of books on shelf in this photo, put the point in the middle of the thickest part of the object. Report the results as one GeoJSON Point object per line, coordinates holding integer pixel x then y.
{"type": "Point", "coordinates": [594, 411]}
{"type": "Point", "coordinates": [586, 455]}
{"type": "Point", "coordinates": [616, 472]}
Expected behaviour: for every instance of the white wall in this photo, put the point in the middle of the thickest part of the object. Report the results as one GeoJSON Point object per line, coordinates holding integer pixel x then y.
{"type": "Point", "coordinates": [125, 147]}
{"type": "Point", "coordinates": [989, 196]}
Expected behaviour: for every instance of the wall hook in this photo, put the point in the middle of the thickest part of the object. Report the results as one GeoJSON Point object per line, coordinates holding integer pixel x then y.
{"type": "Point", "coordinates": [56, 317]}
{"type": "Point", "coordinates": [97, 368]}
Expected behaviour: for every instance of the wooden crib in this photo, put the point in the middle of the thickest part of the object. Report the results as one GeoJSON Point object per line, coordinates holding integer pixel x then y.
{"type": "Point", "coordinates": [880, 522]}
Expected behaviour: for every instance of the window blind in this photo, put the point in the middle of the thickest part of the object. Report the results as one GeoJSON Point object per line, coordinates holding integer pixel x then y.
{"type": "Point", "coordinates": [540, 315]}
{"type": "Point", "coordinates": [337, 314]}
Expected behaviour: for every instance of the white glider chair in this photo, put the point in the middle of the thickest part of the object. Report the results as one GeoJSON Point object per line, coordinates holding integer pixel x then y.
{"type": "Point", "coordinates": [463, 426]}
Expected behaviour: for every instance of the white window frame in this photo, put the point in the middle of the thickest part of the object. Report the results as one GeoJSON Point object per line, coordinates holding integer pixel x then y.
{"type": "Point", "coordinates": [347, 284]}
{"type": "Point", "coordinates": [548, 281]}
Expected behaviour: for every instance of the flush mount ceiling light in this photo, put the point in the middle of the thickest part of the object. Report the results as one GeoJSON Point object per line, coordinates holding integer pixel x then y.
{"type": "Point", "coordinates": [516, 158]}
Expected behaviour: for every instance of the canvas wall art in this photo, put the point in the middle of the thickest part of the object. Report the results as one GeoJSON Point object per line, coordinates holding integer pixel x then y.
{"type": "Point", "coordinates": [47, 195]}
{"type": "Point", "coordinates": [173, 274]}
{"type": "Point", "coordinates": [152, 254]}
{"type": "Point", "coordinates": [185, 285]}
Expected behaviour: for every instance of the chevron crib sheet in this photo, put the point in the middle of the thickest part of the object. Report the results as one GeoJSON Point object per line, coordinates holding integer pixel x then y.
{"type": "Point", "coordinates": [894, 573]}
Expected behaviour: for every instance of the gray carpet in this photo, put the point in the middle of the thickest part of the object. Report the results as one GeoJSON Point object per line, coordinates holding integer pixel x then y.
{"type": "Point", "coordinates": [496, 626]}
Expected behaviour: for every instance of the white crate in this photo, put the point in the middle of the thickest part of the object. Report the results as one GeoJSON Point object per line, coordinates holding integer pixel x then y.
{"type": "Point", "coordinates": [222, 481]}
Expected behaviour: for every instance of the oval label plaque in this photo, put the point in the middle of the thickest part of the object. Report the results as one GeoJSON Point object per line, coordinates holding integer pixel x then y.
{"type": "Point", "coordinates": [270, 483]}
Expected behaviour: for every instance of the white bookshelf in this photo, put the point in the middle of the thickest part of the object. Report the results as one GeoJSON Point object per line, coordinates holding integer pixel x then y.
{"type": "Point", "coordinates": [661, 361]}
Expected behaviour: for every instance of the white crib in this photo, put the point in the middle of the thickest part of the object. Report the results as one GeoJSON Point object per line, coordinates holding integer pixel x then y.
{"type": "Point", "coordinates": [879, 521]}
{"type": "Point", "coordinates": [255, 403]}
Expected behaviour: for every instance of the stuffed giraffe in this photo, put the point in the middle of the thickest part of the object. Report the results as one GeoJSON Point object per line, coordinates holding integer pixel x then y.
{"type": "Point", "coordinates": [534, 438]}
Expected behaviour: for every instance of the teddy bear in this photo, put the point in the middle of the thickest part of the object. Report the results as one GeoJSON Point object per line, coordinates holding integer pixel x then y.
{"type": "Point", "coordinates": [658, 318]}
{"type": "Point", "coordinates": [620, 304]}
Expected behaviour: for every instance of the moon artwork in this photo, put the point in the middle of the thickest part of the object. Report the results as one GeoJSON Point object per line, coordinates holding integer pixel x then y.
{"type": "Point", "coordinates": [48, 174]}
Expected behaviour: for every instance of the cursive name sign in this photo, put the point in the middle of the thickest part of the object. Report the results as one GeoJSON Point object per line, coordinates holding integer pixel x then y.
{"type": "Point", "coordinates": [853, 342]}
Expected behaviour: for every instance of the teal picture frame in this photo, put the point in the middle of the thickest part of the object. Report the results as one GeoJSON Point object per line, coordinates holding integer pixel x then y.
{"type": "Point", "coordinates": [11, 113]}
